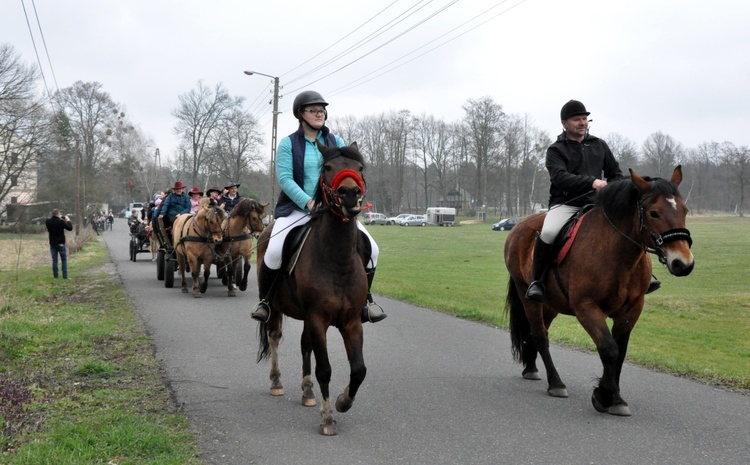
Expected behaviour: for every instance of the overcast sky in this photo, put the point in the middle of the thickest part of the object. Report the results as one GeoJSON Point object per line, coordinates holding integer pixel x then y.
{"type": "Point", "coordinates": [679, 67]}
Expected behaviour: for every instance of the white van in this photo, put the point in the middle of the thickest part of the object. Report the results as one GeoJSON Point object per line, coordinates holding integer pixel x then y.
{"type": "Point", "coordinates": [374, 218]}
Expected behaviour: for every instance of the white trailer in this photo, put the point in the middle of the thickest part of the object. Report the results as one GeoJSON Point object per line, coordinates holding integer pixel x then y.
{"type": "Point", "coordinates": [442, 216]}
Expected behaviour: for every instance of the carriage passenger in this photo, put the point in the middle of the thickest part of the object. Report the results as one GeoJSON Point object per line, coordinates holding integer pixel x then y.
{"type": "Point", "coordinates": [195, 199]}
{"type": "Point", "coordinates": [214, 193]}
{"type": "Point", "coordinates": [231, 197]}
{"type": "Point", "coordinates": [177, 203]}
{"type": "Point", "coordinates": [575, 161]}
{"type": "Point", "coordinates": [298, 164]}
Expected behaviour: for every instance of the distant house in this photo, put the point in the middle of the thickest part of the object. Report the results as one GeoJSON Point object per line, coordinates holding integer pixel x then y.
{"type": "Point", "coordinates": [19, 180]}
{"type": "Point", "coordinates": [460, 199]}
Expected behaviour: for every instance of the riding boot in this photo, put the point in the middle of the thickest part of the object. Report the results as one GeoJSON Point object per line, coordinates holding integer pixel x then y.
{"type": "Point", "coordinates": [372, 312]}
{"type": "Point", "coordinates": [542, 257]}
{"type": "Point", "coordinates": [653, 285]}
{"type": "Point", "coordinates": [266, 281]}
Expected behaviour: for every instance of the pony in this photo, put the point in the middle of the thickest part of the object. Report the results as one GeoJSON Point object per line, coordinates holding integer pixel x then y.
{"type": "Point", "coordinates": [153, 242]}
{"type": "Point", "coordinates": [195, 238]}
{"type": "Point", "coordinates": [245, 221]}
{"type": "Point", "coordinates": [605, 273]}
{"type": "Point", "coordinates": [325, 285]}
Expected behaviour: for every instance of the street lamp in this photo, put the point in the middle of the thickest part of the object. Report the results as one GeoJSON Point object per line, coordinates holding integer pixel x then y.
{"type": "Point", "coordinates": [273, 132]}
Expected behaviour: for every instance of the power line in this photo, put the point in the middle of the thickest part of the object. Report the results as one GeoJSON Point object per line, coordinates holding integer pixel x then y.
{"type": "Point", "coordinates": [380, 46]}
{"type": "Point", "coordinates": [33, 42]}
{"type": "Point", "coordinates": [369, 77]}
{"type": "Point", "coordinates": [44, 42]}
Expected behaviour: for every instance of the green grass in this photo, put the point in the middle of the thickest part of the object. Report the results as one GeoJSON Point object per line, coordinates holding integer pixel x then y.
{"type": "Point", "coordinates": [78, 380]}
{"type": "Point", "coordinates": [695, 326]}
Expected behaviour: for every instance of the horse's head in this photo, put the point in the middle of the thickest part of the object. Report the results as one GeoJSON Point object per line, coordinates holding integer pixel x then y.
{"type": "Point", "coordinates": [342, 185]}
{"type": "Point", "coordinates": [662, 213]}
{"type": "Point", "coordinates": [252, 212]}
{"type": "Point", "coordinates": [211, 217]}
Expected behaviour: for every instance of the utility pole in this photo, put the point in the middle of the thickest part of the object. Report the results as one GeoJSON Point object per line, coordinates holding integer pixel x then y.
{"type": "Point", "coordinates": [274, 127]}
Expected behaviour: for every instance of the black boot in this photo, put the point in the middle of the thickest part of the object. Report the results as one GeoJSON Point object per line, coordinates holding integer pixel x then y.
{"type": "Point", "coordinates": [542, 257]}
{"type": "Point", "coordinates": [266, 282]}
{"type": "Point", "coordinates": [653, 285]}
{"type": "Point", "coordinates": [373, 313]}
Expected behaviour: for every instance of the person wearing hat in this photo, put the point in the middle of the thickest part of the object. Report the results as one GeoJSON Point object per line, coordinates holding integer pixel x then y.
{"type": "Point", "coordinates": [177, 203]}
{"type": "Point", "coordinates": [214, 193]}
{"type": "Point", "coordinates": [575, 162]}
{"type": "Point", "coordinates": [195, 195]}
{"type": "Point", "coordinates": [231, 197]}
{"type": "Point", "coordinates": [298, 163]}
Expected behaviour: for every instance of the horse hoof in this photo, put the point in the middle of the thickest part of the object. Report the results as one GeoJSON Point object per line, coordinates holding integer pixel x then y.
{"type": "Point", "coordinates": [307, 402]}
{"type": "Point", "coordinates": [185, 291]}
{"type": "Point", "coordinates": [619, 410]}
{"type": "Point", "coordinates": [558, 392]}
{"type": "Point", "coordinates": [277, 392]}
{"type": "Point", "coordinates": [197, 295]}
{"type": "Point", "coordinates": [532, 375]}
{"type": "Point", "coordinates": [343, 403]}
{"type": "Point", "coordinates": [328, 430]}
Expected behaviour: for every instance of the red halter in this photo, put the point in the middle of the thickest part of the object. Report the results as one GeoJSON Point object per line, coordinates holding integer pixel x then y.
{"type": "Point", "coordinates": [332, 198]}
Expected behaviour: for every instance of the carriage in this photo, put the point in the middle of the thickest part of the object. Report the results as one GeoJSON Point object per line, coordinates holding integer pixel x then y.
{"type": "Point", "coordinates": [139, 240]}
{"type": "Point", "coordinates": [166, 260]}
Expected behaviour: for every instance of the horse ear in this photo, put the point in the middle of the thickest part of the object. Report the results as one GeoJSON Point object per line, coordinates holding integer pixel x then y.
{"type": "Point", "coordinates": [677, 175]}
{"type": "Point", "coordinates": [321, 147]}
{"type": "Point", "coordinates": [354, 145]}
{"type": "Point", "coordinates": [641, 184]}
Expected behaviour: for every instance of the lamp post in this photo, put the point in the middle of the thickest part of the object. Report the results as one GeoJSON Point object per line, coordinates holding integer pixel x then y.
{"type": "Point", "coordinates": [273, 132]}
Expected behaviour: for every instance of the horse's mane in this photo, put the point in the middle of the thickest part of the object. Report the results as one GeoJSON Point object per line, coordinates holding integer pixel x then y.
{"type": "Point", "coordinates": [350, 151]}
{"type": "Point", "coordinates": [618, 197]}
{"type": "Point", "coordinates": [244, 207]}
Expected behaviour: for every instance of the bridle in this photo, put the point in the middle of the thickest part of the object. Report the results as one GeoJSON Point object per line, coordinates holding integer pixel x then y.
{"type": "Point", "coordinates": [657, 240]}
{"type": "Point", "coordinates": [331, 195]}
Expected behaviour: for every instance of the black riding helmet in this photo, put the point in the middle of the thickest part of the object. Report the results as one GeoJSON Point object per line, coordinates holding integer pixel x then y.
{"type": "Point", "coordinates": [573, 108]}
{"type": "Point", "coordinates": [308, 97]}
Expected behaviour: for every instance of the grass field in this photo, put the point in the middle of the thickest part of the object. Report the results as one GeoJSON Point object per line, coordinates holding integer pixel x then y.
{"type": "Point", "coordinates": [696, 325]}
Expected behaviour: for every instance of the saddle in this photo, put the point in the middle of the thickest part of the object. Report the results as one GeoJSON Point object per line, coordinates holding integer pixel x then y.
{"type": "Point", "coordinates": [295, 240]}
{"type": "Point", "coordinates": [565, 238]}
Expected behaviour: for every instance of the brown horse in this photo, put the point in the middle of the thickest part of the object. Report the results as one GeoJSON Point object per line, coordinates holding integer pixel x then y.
{"type": "Point", "coordinates": [327, 285]}
{"type": "Point", "coordinates": [245, 221]}
{"type": "Point", "coordinates": [195, 238]}
{"type": "Point", "coordinates": [605, 274]}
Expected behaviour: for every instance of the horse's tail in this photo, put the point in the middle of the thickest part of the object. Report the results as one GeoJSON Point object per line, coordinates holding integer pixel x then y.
{"type": "Point", "coordinates": [263, 346]}
{"type": "Point", "coordinates": [519, 327]}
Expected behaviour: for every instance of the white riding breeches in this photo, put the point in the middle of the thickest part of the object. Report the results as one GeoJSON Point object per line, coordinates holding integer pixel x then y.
{"type": "Point", "coordinates": [554, 221]}
{"type": "Point", "coordinates": [283, 225]}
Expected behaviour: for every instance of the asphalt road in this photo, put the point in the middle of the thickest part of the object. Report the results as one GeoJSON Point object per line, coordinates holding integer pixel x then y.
{"type": "Point", "coordinates": [439, 390]}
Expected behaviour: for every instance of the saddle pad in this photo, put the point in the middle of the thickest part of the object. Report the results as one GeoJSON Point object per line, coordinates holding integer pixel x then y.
{"type": "Point", "coordinates": [569, 238]}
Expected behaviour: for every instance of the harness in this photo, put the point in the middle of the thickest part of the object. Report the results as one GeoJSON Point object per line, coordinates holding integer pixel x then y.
{"type": "Point", "coordinates": [198, 238]}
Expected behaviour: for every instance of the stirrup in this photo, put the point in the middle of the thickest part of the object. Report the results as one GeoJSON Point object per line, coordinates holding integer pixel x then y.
{"type": "Point", "coordinates": [261, 311]}
{"type": "Point", "coordinates": [654, 285]}
{"type": "Point", "coordinates": [538, 291]}
{"type": "Point", "coordinates": [368, 316]}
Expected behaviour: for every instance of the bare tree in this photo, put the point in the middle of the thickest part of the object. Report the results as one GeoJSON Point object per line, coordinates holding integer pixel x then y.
{"type": "Point", "coordinates": [235, 146]}
{"type": "Point", "coordinates": [483, 121]}
{"type": "Point", "coordinates": [24, 128]}
{"type": "Point", "coordinates": [624, 150]}
{"type": "Point", "coordinates": [660, 154]}
{"type": "Point", "coordinates": [737, 160]}
{"type": "Point", "coordinates": [198, 115]}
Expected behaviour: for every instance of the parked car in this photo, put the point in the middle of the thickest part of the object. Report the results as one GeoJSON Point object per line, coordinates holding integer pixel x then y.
{"type": "Point", "coordinates": [374, 218]}
{"type": "Point", "coordinates": [414, 220]}
{"type": "Point", "coordinates": [506, 224]}
{"type": "Point", "coordinates": [397, 219]}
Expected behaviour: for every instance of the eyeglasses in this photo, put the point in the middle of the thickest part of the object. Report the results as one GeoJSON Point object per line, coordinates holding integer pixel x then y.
{"type": "Point", "coordinates": [315, 112]}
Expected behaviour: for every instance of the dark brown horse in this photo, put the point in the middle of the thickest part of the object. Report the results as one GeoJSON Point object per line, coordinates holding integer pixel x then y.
{"type": "Point", "coordinates": [195, 238]}
{"type": "Point", "coordinates": [245, 221]}
{"type": "Point", "coordinates": [605, 274]}
{"type": "Point", "coordinates": [327, 285]}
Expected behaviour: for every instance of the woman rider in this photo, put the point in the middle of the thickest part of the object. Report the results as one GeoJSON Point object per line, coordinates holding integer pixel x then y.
{"type": "Point", "coordinates": [295, 202]}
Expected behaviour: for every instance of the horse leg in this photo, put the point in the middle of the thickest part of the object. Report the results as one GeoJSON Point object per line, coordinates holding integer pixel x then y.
{"type": "Point", "coordinates": [274, 337]}
{"type": "Point", "coordinates": [606, 396]}
{"type": "Point", "coordinates": [230, 278]}
{"type": "Point", "coordinates": [323, 375]}
{"type": "Point", "coordinates": [195, 272]}
{"type": "Point", "coordinates": [308, 395]}
{"type": "Point", "coordinates": [352, 335]}
{"type": "Point", "coordinates": [538, 324]}
{"type": "Point", "coordinates": [245, 273]}
{"type": "Point", "coordinates": [206, 274]}
{"type": "Point", "coordinates": [181, 259]}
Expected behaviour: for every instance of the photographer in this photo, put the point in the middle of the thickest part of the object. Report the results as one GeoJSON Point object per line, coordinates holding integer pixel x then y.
{"type": "Point", "coordinates": [56, 226]}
